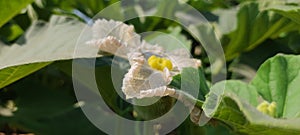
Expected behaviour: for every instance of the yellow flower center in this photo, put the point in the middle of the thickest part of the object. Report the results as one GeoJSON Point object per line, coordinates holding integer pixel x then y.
{"type": "Point", "coordinates": [267, 108]}
{"type": "Point", "coordinates": [159, 63]}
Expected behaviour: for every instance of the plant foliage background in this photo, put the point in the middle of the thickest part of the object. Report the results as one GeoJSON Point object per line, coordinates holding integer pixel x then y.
{"type": "Point", "coordinates": [261, 41]}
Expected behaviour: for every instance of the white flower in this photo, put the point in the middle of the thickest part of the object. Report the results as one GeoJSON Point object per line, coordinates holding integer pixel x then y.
{"type": "Point", "coordinates": [152, 68]}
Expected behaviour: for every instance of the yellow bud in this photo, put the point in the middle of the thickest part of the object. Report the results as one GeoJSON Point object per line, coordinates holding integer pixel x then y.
{"type": "Point", "coordinates": [159, 63]}
{"type": "Point", "coordinates": [267, 108]}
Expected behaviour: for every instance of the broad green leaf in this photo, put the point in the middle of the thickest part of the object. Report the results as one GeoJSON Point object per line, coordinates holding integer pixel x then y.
{"type": "Point", "coordinates": [236, 107]}
{"type": "Point", "coordinates": [255, 24]}
{"type": "Point", "coordinates": [10, 8]}
{"type": "Point", "coordinates": [42, 44]}
{"type": "Point", "coordinates": [277, 80]}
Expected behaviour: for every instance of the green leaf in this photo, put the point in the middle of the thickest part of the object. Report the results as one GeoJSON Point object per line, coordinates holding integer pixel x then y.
{"type": "Point", "coordinates": [10, 8]}
{"type": "Point", "coordinates": [10, 32]}
{"type": "Point", "coordinates": [42, 44]}
{"type": "Point", "coordinates": [277, 80]}
{"type": "Point", "coordinates": [255, 23]}
{"type": "Point", "coordinates": [191, 82]}
{"type": "Point", "coordinates": [12, 74]}
{"type": "Point", "coordinates": [236, 107]}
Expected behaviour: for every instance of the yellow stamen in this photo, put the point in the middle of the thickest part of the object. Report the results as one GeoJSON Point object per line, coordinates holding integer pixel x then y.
{"type": "Point", "coordinates": [159, 63]}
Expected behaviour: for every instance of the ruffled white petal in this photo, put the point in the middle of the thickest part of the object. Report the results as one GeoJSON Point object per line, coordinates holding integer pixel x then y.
{"type": "Point", "coordinates": [108, 44]}
{"type": "Point", "coordinates": [142, 81]}
{"type": "Point", "coordinates": [125, 33]}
